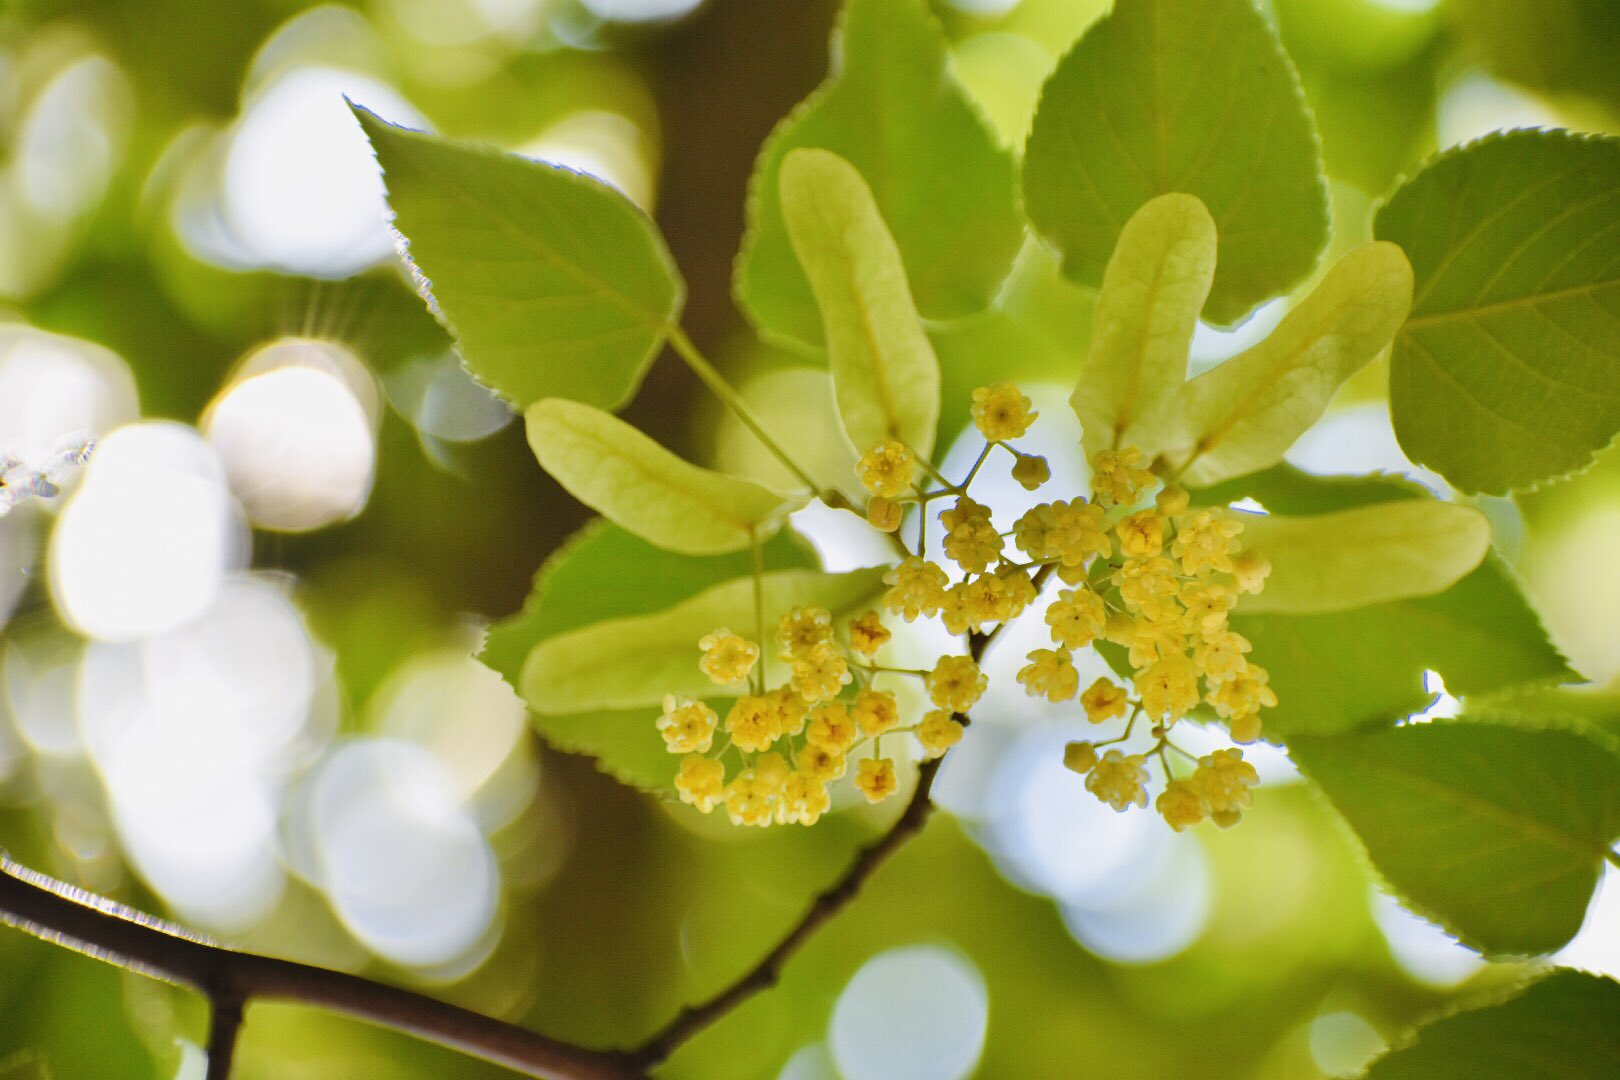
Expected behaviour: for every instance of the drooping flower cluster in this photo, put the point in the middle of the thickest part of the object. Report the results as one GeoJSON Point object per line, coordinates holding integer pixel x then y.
{"type": "Point", "coordinates": [1139, 570]}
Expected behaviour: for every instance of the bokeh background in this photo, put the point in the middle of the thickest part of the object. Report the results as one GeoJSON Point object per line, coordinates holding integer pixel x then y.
{"type": "Point", "coordinates": [236, 685]}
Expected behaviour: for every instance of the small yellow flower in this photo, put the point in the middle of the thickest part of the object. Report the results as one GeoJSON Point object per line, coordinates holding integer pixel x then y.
{"type": "Point", "coordinates": [701, 782]}
{"type": "Point", "coordinates": [790, 709]}
{"type": "Point", "coordinates": [973, 546]}
{"type": "Point", "coordinates": [1103, 700]}
{"type": "Point", "coordinates": [875, 779]}
{"type": "Point", "coordinates": [1077, 618]}
{"type": "Point", "coordinates": [1115, 478]}
{"type": "Point", "coordinates": [1146, 584]}
{"type": "Point", "coordinates": [1017, 592]}
{"type": "Point", "coordinates": [820, 673]}
{"type": "Point", "coordinates": [802, 629]}
{"type": "Point", "coordinates": [1245, 728]}
{"type": "Point", "coordinates": [1119, 780]}
{"type": "Point", "coordinates": [956, 683]}
{"type": "Point", "coordinates": [1120, 628]}
{"type": "Point", "coordinates": [1031, 471]}
{"type": "Point", "coordinates": [748, 801]}
{"type": "Point", "coordinates": [970, 605]}
{"type": "Point", "coordinates": [803, 800]}
{"type": "Point", "coordinates": [1078, 532]}
{"type": "Point", "coordinates": [916, 587]}
{"type": "Point", "coordinates": [1172, 500]}
{"type": "Point", "coordinates": [1142, 534]}
{"type": "Point", "coordinates": [753, 723]}
{"type": "Point", "coordinates": [1001, 412]}
{"type": "Point", "coordinates": [771, 772]}
{"type": "Point", "coordinates": [727, 657]}
{"type": "Point", "coordinates": [1158, 638]}
{"type": "Point", "coordinates": [831, 727]}
{"type": "Point", "coordinates": [938, 732]}
{"type": "Point", "coordinates": [1079, 757]}
{"type": "Point", "coordinates": [1250, 570]}
{"type": "Point", "coordinates": [1050, 673]}
{"type": "Point", "coordinates": [887, 470]}
{"type": "Point", "coordinates": [1220, 655]}
{"type": "Point", "coordinates": [964, 512]}
{"type": "Point", "coordinates": [876, 711]}
{"type": "Point", "coordinates": [1032, 532]}
{"type": "Point", "coordinates": [822, 762]}
{"type": "Point", "coordinates": [884, 515]}
{"type": "Point", "coordinates": [1208, 603]}
{"type": "Point", "coordinates": [1180, 804]}
{"type": "Point", "coordinates": [1204, 543]}
{"type": "Point", "coordinates": [1248, 693]}
{"type": "Point", "coordinates": [687, 725]}
{"type": "Point", "coordinates": [1168, 688]}
{"type": "Point", "coordinates": [867, 634]}
{"type": "Point", "coordinates": [1224, 780]}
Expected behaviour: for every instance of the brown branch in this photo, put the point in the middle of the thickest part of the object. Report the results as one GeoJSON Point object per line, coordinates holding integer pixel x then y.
{"type": "Point", "coordinates": [828, 903]}
{"type": "Point", "coordinates": [224, 1024]}
{"type": "Point", "coordinates": [67, 916]}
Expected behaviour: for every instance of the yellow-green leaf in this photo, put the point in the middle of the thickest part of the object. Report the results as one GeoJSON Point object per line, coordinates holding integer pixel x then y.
{"type": "Point", "coordinates": [1154, 288]}
{"type": "Point", "coordinates": [1244, 414]}
{"type": "Point", "coordinates": [1364, 555]}
{"type": "Point", "coordinates": [633, 662]}
{"type": "Point", "coordinates": [884, 370]}
{"type": "Point", "coordinates": [633, 481]}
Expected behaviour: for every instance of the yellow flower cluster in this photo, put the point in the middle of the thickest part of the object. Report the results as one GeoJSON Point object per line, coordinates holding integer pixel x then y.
{"type": "Point", "coordinates": [1141, 570]}
{"type": "Point", "coordinates": [796, 739]}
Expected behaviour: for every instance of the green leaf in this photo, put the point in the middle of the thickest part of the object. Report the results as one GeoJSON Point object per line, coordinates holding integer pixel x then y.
{"type": "Point", "coordinates": [1154, 287]}
{"type": "Point", "coordinates": [603, 573]}
{"type": "Point", "coordinates": [1365, 555]}
{"type": "Point", "coordinates": [1244, 414]}
{"type": "Point", "coordinates": [633, 481]}
{"type": "Point", "coordinates": [894, 109]}
{"type": "Point", "coordinates": [633, 662]}
{"type": "Point", "coordinates": [553, 283]}
{"type": "Point", "coordinates": [884, 371]}
{"type": "Point", "coordinates": [1500, 833]}
{"type": "Point", "coordinates": [1508, 372]}
{"type": "Point", "coordinates": [1165, 96]}
{"type": "Point", "coordinates": [1566, 1025]}
{"type": "Point", "coordinates": [1364, 667]}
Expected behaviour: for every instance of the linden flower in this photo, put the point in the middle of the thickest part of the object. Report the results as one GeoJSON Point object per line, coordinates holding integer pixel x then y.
{"type": "Point", "coordinates": [771, 772]}
{"type": "Point", "coordinates": [748, 802]}
{"type": "Point", "coordinates": [1031, 471]}
{"type": "Point", "coordinates": [1207, 604]}
{"type": "Point", "coordinates": [831, 728]}
{"type": "Point", "coordinates": [1146, 584]}
{"type": "Point", "coordinates": [867, 634]}
{"type": "Point", "coordinates": [938, 732]}
{"type": "Point", "coordinates": [820, 673]}
{"type": "Point", "coordinates": [687, 725]}
{"type": "Point", "coordinates": [802, 629]}
{"type": "Point", "coordinates": [1205, 543]}
{"type": "Point", "coordinates": [1248, 693]}
{"type": "Point", "coordinates": [1223, 780]}
{"type": "Point", "coordinates": [916, 587]}
{"type": "Point", "coordinates": [1115, 479]}
{"type": "Point", "coordinates": [803, 800]}
{"type": "Point", "coordinates": [1079, 757]}
{"type": "Point", "coordinates": [1078, 532]}
{"type": "Point", "coordinates": [973, 545]}
{"type": "Point", "coordinates": [727, 657]}
{"type": "Point", "coordinates": [1220, 655]}
{"type": "Point", "coordinates": [1077, 618]}
{"type": "Point", "coordinates": [1141, 534]}
{"type": "Point", "coordinates": [1156, 639]}
{"type": "Point", "coordinates": [1245, 728]}
{"type": "Point", "coordinates": [875, 779]}
{"type": "Point", "coordinates": [1250, 570]}
{"type": "Point", "coordinates": [964, 512]}
{"type": "Point", "coordinates": [1119, 780]}
{"type": "Point", "coordinates": [884, 515]}
{"type": "Point", "coordinates": [822, 762]}
{"type": "Point", "coordinates": [1050, 672]}
{"type": "Point", "coordinates": [753, 723]}
{"type": "Point", "coordinates": [1001, 412]}
{"type": "Point", "coordinates": [789, 708]}
{"type": "Point", "coordinates": [969, 605]}
{"type": "Point", "coordinates": [1017, 592]}
{"type": "Point", "coordinates": [1103, 700]}
{"type": "Point", "coordinates": [887, 470]}
{"type": "Point", "coordinates": [1180, 804]}
{"type": "Point", "coordinates": [876, 711]}
{"type": "Point", "coordinates": [701, 782]}
{"type": "Point", "coordinates": [1172, 500]}
{"type": "Point", "coordinates": [1168, 688]}
{"type": "Point", "coordinates": [955, 683]}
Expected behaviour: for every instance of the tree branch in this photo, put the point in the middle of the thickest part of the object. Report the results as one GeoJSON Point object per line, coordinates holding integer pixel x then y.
{"type": "Point", "coordinates": [61, 914]}
{"type": "Point", "coordinates": [828, 903]}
